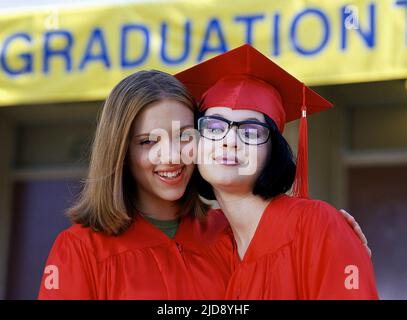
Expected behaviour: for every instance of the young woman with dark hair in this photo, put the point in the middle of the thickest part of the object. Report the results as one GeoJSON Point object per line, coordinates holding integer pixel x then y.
{"type": "Point", "coordinates": [285, 247]}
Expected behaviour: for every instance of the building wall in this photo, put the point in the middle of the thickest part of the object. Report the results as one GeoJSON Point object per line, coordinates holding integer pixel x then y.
{"type": "Point", "coordinates": [43, 148]}
{"type": "Point", "coordinates": [6, 147]}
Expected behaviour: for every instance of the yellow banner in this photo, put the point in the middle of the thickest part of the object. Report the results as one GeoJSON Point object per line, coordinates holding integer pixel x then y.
{"type": "Point", "coordinates": [80, 53]}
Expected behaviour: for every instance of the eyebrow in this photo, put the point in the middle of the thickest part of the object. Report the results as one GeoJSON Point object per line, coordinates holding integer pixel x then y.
{"type": "Point", "coordinates": [147, 134]}
{"type": "Point", "coordinates": [251, 118]}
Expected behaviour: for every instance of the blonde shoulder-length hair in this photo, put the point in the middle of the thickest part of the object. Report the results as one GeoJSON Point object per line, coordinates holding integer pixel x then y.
{"type": "Point", "coordinates": [106, 202]}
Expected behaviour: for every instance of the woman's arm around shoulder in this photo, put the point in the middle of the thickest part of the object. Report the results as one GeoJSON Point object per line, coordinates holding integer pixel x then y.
{"type": "Point", "coordinates": [332, 261]}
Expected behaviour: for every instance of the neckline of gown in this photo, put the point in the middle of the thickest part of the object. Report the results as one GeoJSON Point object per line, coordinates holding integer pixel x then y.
{"type": "Point", "coordinates": [257, 246]}
{"type": "Point", "coordinates": [144, 234]}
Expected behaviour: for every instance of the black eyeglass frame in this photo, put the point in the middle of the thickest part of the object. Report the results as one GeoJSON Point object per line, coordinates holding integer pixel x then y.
{"type": "Point", "coordinates": [237, 124]}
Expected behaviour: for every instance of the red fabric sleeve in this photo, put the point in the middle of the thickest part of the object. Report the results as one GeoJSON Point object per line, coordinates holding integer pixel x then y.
{"type": "Point", "coordinates": [332, 262]}
{"type": "Point", "coordinates": [70, 271]}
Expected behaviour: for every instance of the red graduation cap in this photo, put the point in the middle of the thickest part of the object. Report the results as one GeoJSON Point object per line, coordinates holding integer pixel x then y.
{"type": "Point", "coordinates": [243, 78]}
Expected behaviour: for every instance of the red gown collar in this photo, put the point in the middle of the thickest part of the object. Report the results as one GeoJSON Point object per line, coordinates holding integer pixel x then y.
{"type": "Point", "coordinates": [269, 235]}
{"type": "Point", "coordinates": [143, 234]}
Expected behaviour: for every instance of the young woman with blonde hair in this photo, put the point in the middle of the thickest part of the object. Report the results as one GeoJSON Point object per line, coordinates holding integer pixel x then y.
{"type": "Point", "coordinates": [138, 232]}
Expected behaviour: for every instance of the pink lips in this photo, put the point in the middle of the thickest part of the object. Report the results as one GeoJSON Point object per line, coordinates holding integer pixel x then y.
{"type": "Point", "coordinates": [227, 161]}
{"type": "Point", "coordinates": [171, 176]}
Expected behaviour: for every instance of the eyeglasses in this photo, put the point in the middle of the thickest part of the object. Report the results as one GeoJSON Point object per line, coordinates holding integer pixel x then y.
{"type": "Point", "coordinates": [250, 131]}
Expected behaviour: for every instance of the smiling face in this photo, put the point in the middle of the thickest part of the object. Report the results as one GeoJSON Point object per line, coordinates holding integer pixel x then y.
{"type": "Point", "coordinates": [229, 164]}
{"type": "Point", "coordinates": [157, 149]}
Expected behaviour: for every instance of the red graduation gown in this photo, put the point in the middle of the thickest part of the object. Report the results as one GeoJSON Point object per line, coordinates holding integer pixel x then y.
{"type": "Point", "coordinates": [301, 250]}
{"type": "Point", "coordinates": [142, 263]}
